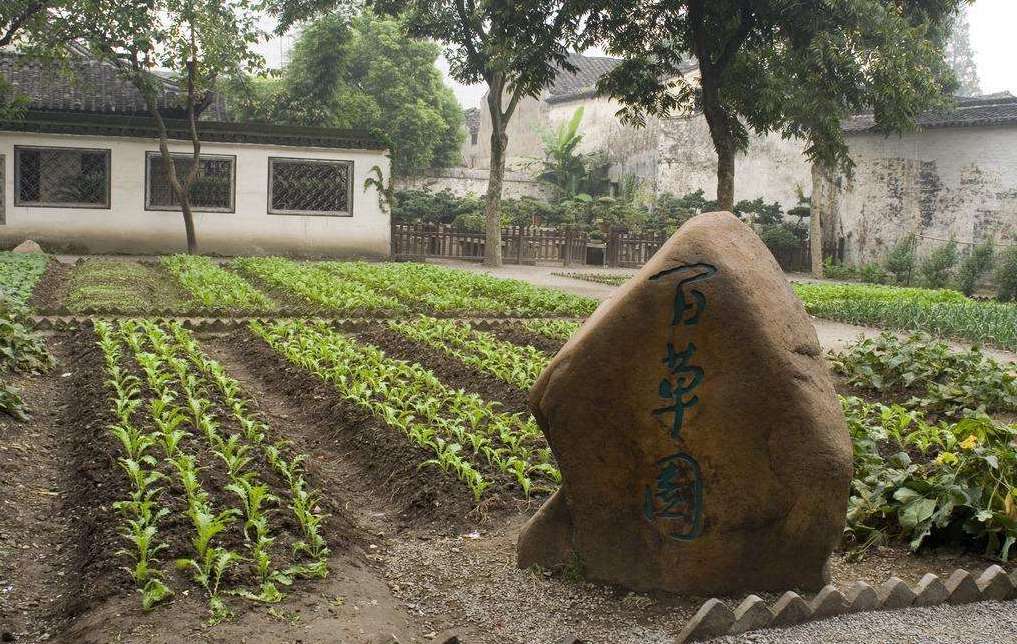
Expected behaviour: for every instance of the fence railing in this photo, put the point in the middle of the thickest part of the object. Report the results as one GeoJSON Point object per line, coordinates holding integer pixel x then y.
{"type": "Point", "coordinates": [537, 244]}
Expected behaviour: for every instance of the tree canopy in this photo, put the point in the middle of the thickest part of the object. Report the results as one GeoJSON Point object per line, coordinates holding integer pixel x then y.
{"type": "Point", "coordinates": [795, 68]}
{"type": "Point", "coordinates": [365, 73]}
{"type": "Point", "coordinates": [961, 56]}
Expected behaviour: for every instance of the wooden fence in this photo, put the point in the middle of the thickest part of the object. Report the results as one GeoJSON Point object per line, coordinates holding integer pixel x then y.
{"type": "Point", "coordinates": [537, 244]}
{"type": "Point", "coordinates": [519, 244]}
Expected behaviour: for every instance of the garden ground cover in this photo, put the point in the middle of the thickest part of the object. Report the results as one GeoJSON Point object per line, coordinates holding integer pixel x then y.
{"type": "Point", "coordinates": [405, 524]}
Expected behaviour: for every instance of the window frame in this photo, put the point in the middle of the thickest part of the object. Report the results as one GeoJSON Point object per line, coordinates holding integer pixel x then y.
{"type": "Point", "coordinates": [149, 155]}
{"type": "Point", "coordinates": [20, 203]}
{"type": "Point", "coordinates": [311, 213]}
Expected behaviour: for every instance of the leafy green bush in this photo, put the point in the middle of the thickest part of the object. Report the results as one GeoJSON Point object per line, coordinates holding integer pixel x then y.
{"type": "Point", "coordinates": [429, 207]}
{"type": "Point", "coordinates": [834, 270]}
{"type": "Point", "coordinates": [1006, 275]}
{"type": "Point", "coordinates": [779, 237]}
{"type": "Point", "coordinates": [765, 214]}
{"type": "Point", "coordinates": [938, 380]}
{"type": "Point", "coordinates": [19, 273]}
{"type": "Point", "coordinates": [977, 263]}
{"type": "Point", "coordinates": [21, 351]}
{"type": "Point", "coordinates": [914, 480]}
{"type": "Point", "coordinates": [935, 269]}
{"type": "Point", "coordinates": [873, 273]}
{"type": "Point", "coordinates": [901, 260]}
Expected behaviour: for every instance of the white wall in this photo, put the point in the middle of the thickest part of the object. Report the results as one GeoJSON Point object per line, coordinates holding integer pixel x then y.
{"type": "Point", "coordinates": [127, 227]}
{"type": "Point", "coordinates": [771, 168]}
{"type": "Point", "coordinates": [471, 181]}
{"type": "Point", "coordinates": [939, 182]}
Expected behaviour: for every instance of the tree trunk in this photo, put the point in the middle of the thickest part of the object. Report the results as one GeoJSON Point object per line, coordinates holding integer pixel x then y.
{"type": "Point", "coordinates": [492, 204]}
{"type": "Point", "coordinates": [722, 134]}
{"type": "Point", "coordinates": [816, 216]}
{"type": "Point", "coordinates": [725, 177]}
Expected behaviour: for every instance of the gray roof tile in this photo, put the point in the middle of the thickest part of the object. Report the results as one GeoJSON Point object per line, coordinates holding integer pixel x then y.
{"type": "Point", "coordinates": [992, 109]}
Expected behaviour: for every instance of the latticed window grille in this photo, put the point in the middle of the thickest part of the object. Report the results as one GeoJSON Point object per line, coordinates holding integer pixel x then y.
{"type": "Point", "coordinates": [304, 186]}
{"type": "Point", "coordinates": [212, 188]}
{"type": "Point", "coordinates": [67, 177]}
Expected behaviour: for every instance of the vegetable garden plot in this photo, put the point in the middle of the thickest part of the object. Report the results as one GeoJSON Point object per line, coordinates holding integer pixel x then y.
{"type": "Point", "coordinates": [112, 286]}
{"type": "Point", "coordinates": [216, 289]}
{"type": "Point", "coordinates": [941, 312]}
{"type": "Point", "coordinates": [469, 438]}
{"type": "Point", "coordinates": [242, 520]}
{"type": "Point", "coordinates": [314, 285]}
{"type": "Point", "coordinates": [19, 273]}
{"type": "Point", "coordinates": [553, 329]}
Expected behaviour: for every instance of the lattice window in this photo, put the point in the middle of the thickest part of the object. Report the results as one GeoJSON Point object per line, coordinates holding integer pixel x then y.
{"type": "Point", "coordinates": [212, 189]}
{"type": "Point", "coordinates": [61, 177]}
{"type": "Point", "coordinates": [313, 187]}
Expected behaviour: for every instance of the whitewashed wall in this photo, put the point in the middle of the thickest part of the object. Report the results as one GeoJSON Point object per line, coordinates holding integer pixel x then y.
{"type": "Point", "coordinates": [938, 183]}
{"type": "Point", "coordinates": [127, 227]}
{"type": "Point", "coordinates": [771, 168]}
{"type": "Point", "coordinates": [473, 181]}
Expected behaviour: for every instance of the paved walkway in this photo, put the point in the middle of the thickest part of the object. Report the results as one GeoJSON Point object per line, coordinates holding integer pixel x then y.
{"type": "Point", "coordinates": [832, 335]}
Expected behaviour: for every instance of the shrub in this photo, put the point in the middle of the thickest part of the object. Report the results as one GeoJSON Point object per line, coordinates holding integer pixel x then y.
{"type": "Point", "coordinates": [779, 237]}
{"type": "Point", "coordinates": [901, 260]}
{"type": "Point", "coordinates": [873, 273]}
{"type": "Point", "coordinates": [1006, 274]}
{"type": "Point", "coordinates": [837, 271]}
{"type": "Point", "coordinates": [935, 269]}
{"type": "Point", "coordinates": [425, 206]}
{"type": "Point", "coordinates": [977, 263]}
{"type": "Point", "coordinates": [765, 214]}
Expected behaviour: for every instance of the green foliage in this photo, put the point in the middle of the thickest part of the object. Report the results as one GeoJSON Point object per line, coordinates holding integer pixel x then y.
{"type": "Point", "coordinates": [21, 349]}
{"type": "Point", "coordinates": [19, 273]}
{"type": "Point", "coordinates": [914, 480]}
{"type": "Point", "coordinates": [563, 166]}
{"type": "Point", "coordinates": [800, 72]}
{"type": "Point", "coordinates": [553, 329]}
{"type": "Point", "coordinates": [214, 288]}
{"type": "Point", "coordinates": [943, 313]}
{"type": "Point", "coordinates": [598, 278]}
{"type": "Point", "coordinates": [834, 270]}
{"type": "Point", "coordinates": [901, 260]}
{"type": "Point", "coordinates": [1006, 274]}
{"type": "Point", "coordinates": [977, 263]}
{"type": "Point", "coordinates": [670, 212]}
{"type": "Point", "coordinates": [941, 382]}
{"type": "Point", "coordinates": [779, 237]}
{"type": "Point", "coordinates": [365, 73]}
{"type": "Point", "coordinates": [763, 214]}
{"type": "Point", "coordinates": [935, 269]}
{"type": "Point", "coordinates": [460, 430]}
{"type": "Point", "coordinates": [429, 207]}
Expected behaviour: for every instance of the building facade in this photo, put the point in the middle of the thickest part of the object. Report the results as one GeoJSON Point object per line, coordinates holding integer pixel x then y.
{"type": "Point", "coordinates": [953, 178]}
{"type": "Point", "coordinates": [81, 171]}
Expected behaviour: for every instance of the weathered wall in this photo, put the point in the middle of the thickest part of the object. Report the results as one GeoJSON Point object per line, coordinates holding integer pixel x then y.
{"type": "Point", "coordinates": [464, 181]}
{"type": "Point", "coordinates": [126, 227]}
{"type": "Point", "coordinates": [524, 146]}
{"type": "Point", "coordinates": [771, 168]}
{"type": "Point", "coordinates": [938, 183]}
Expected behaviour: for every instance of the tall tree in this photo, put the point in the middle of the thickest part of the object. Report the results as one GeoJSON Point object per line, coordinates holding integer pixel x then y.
{"type": "Point", "coordinates": [796, 68]}
{"type": "Point", "coordinates": [364, 73]}
{"type": "Point", "coordinates": [960, 55]}
{"type": "Point", "coordinates": [516, 48]}
{"type": "Point", "coordinates": [28, 24]}
{"type": "Point", "coordinates": [199, 41]}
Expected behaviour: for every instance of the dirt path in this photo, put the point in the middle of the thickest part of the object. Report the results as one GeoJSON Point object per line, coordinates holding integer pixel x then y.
{"type": "Point", "coordinates": [35, 535]}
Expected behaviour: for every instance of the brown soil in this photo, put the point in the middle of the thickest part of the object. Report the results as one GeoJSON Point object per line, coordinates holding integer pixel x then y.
{"type": "Point", "coordinates": [48, 294]}
{"type": "Point", "coordinates": [518, 334]}
{"type": "Point", "coordinates": [449, 370]}
{"type": "Point", "coordinates": [330, 428]}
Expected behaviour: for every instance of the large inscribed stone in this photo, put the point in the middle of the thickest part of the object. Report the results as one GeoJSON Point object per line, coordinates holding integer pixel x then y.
{"type": "Point", "coordinates": [702, 446]}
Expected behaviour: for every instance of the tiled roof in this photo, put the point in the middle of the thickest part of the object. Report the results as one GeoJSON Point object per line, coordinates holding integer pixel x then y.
{"type": "Point", "coordinates": [583, 82]}
{"type": "Point", "coordinates": [142, 126]}
{"type": "Point", "coordinates": [992, 109]}
{"type": "Point", "coordinates": [87, 85]}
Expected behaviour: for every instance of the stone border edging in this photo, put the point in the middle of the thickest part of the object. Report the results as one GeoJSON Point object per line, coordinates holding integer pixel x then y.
{"type": "Point", "coordinates": [62, 322]}
{"type": "Point", "coordinates": [715, 619]}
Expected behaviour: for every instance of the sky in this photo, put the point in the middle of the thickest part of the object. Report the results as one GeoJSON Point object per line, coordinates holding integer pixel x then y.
{"type": "Point", "coordinates": [993, 24]}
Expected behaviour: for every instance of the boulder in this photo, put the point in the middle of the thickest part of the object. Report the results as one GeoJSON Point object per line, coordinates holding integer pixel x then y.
{"type": "Point", "coordinates": [702, 447]}
{"type": "Point", "coordinates": [27, 246]}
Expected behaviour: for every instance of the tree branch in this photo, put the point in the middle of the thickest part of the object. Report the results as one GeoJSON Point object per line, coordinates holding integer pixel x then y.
{"type": "Point", "coordinates": [471, 50]}
{"type": "Point", "coordinates": [18, 21]}
{"type": "Point", "coordinates": [748, 20]}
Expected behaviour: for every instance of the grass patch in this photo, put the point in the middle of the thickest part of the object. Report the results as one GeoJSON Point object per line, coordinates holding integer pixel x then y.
{"type": "Point", "coordinates": [943, 313]}
{"type": "Point", "coordinates": [109, 286]}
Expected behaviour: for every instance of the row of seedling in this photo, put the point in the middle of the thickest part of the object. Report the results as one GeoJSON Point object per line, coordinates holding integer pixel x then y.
{"type": "Point", "coordinates": [518, 365]}
{"type": "Point", "coordinates": [461, 430]}
{"type": "Point", "coordinates": [213, 287]}
{"type": "Point", "coordinates": [185, 424]}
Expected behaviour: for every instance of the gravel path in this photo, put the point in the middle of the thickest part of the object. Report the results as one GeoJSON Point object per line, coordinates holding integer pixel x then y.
{"type": "Point", "coordinates": [832, 335]}
{"type": "Point", "coordinates": [981, 622]}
